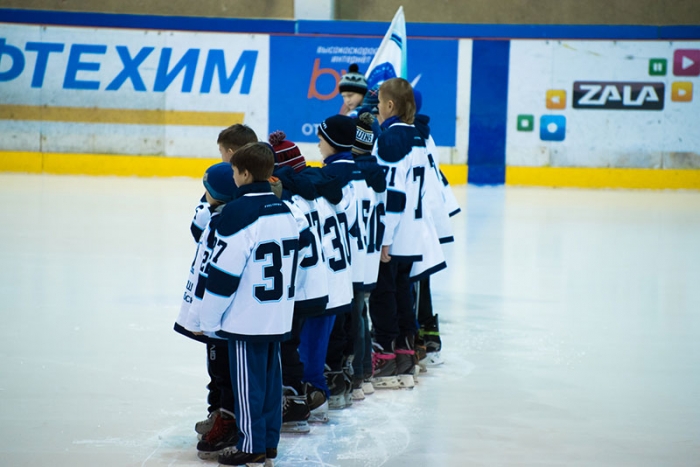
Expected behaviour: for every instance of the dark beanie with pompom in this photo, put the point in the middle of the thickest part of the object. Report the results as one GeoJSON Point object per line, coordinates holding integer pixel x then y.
{"type": "Point", "coordinates": [353, 81]}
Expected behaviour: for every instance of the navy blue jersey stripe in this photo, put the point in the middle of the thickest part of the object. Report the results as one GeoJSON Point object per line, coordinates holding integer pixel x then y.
{"type": "Point", "coordinates": [196, 231]}
{"type": "Point", "coordinates": [311, 303]}
{"type": "Point", "coordinates": [255, 338]}
{"type": "Point", "coordinates": [429, 272]}
{"type": "Point", "coordinates": [201, 285]}
{"type": "Point", "coordinates": [339, 309]}
{"type": "Point", "coordinates": [395, 201]}
{"type": "Point", "coordinates": [200, 338]}
{"type": "Point", "coordinates": [221, 283]}
{"type": "Point", "coordinates": [243, 212]}
{"type": "Point", "coordinates": [407, 258]}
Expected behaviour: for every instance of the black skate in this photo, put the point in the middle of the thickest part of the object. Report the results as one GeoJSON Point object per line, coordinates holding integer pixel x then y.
{"type": "Point", "coordinates": [295, 411]}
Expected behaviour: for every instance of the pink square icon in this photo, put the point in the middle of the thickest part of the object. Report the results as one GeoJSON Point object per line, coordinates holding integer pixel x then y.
{"type": "Point", "coordinates": [686, 62]}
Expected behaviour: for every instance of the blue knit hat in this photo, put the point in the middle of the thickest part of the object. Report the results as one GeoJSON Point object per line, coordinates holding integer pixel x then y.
{"type": "Point", "coordinates": [218, 181]}
{"type": "Point", "coordinates": [371, 100]}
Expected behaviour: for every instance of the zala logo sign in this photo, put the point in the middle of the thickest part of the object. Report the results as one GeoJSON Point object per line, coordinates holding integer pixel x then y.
{"type": "Point", "coordinates": [618, 95]}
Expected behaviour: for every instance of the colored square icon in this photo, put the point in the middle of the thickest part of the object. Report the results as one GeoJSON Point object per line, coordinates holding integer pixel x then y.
{"type": "Point", "coordinates": [526, 122]}
{"type": "Point", "coordinates": [556, 99]}
{"type": "Point", "coordinates": [552, 127]}
{"type": "Point", "coordinates": [686, 62]}
{"type": "Point", "coordinates": [657, 66]}
{"type": "Point", "coordinates": [682, 91]}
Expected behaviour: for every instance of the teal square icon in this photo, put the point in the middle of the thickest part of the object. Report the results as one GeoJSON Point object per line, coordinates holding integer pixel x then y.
{"type": "Point", "coordinates": [657, 66]}
{"type": "Point", "coordinates": [526, 122]}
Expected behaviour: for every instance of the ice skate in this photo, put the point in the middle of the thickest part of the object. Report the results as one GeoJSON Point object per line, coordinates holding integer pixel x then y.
{"type": "Point", "coordinates": [367, 387]}
{"type": "Point", "coordinates": [432, 359]}
{"type": "Point", "coordinates": [349, 374]}
{"type": "Point", "coordinates": [318, 405]}
{"type": "Point", "coordinates": [384, 364]}
{"type": "Point", "coordinates": [421, 353]}
{"type": "Point", "coordinates": [357, 393]}
{"type": "Point", "coordinates": [270, 455]}
{"type": "Point", "coordinates": [405, 368]}
{"type": "Point", "coordinates": [295, 411]}
{"type": "Point", "coordinates": [232, 456]}
{"type": "Point", "coordinates": [223, 434]}
{"type": "Point", "coordinates": [337, 386]}
{"type": "Point", "coordinates": [430, 335]}
{"type": "Point", "coordinates": [203, 427]}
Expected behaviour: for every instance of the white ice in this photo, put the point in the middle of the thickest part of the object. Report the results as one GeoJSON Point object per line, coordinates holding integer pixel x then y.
{"type": "Point", "coordinates": [570, 321]}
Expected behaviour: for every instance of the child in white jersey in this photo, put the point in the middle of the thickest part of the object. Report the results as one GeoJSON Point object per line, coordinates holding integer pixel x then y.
{"type": "Point", "coordinates": [222, 431]}
{"type": "Point", "coordinates": [410, 236]}
{"type": "Point", "coordinates": [249, 299]}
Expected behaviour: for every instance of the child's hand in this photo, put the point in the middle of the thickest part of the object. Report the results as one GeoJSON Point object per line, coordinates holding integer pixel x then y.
{"type": "Point", "coordinates": [198, 333]}
{"type": "Point", "coordinates": [385, 257]}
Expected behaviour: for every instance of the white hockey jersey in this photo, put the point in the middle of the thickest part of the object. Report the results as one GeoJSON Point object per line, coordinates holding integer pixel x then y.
{"type": "Point", "coordinates": [187, 321]}
{"type": "Point", "coordinates": [410, 229]}
{"type": "Point", "coordinates": [311, 289]}
{"type": "Point", "coordinates": [435, 195]}
{"type": "Point", "coordinates": [448, 196]}
{"type": "Point", "coordinates": [250, 289]}
{"type": "Point", "coordinates": [337, 218]}
{"type": "Point", "coordinates": [370, 193]}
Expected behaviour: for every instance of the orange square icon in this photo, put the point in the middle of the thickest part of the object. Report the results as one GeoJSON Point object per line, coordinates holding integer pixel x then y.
{"type": "Point", "coordinates": [682, 91]}
{"type": "Point", "coordinates": [556, 99]}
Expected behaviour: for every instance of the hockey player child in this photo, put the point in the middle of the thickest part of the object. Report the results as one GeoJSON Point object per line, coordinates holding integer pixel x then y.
{"type": "Point", "coordinates": [336, 137]}
{"type": "Point", "coordinates": [220, 189]}
{"type": "Point", "coordinates": [311, 293]}
{"type": "Point", "coordinates": [370, 193]}
{"type": "Point", "coordinates": [229, 140]}
{"type": "Point", "coordinates": [352, 87]}
{"type": "Point", "coordinates": [249, 299]}
{"type": "Point", "coordinates": [409, 236]}
{"type": "Point", "coordinates": [444, 205]}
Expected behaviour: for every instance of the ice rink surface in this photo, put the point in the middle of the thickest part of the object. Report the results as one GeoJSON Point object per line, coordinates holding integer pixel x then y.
{"type": "Point", "coordinates": [570, 321]}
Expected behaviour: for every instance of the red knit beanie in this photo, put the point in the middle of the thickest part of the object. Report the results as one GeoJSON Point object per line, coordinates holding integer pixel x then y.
{"type": "Point", "coordinates": [286, 152]}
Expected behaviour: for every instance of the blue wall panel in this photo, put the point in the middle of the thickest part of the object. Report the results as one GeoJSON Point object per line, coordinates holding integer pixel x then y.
{"type": "Point", "coordinates": [488, 111]}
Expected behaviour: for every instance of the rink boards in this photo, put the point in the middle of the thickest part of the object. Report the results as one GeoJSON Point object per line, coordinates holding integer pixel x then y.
{"type": "Point", "coordinates": [129, 101]}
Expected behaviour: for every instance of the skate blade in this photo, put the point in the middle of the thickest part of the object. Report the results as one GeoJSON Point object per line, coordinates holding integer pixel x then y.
{"type": "Point", "coordinates": [319, 418]}
{"type": "Point", "coordinates": [406, 381]}
{"type": "Point", "coordinates": [337, 402]}
{"type": "Point", "coordinates": [295, 427]}
{"type": "Point", "coordinates": [319, 414]}
{"type": "Point", "coordinates": [385, 382]}
{"type": "Point", "coordinates": [208, 456]}
{"type": "Point", "coordinates": [433, 359]}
